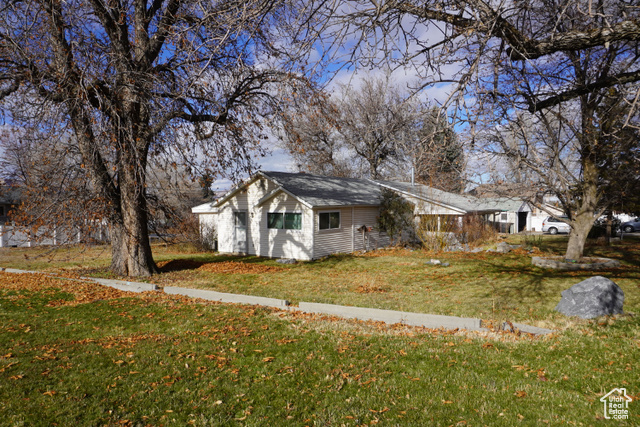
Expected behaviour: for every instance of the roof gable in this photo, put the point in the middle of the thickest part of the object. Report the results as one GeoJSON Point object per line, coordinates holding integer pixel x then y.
{"type": "Point", "coordinates": [316, 191]}
{"type": "Point", "coordinates": [319, 191]}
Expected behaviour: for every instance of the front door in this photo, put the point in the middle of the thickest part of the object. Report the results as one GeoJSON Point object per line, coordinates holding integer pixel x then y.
{"type": "Point", "coordinates": [240, 232]}
{"type": "Point", "coordinates": [522, 221]}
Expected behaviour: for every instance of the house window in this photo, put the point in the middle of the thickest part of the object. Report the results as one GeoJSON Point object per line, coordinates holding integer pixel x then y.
{"type": "Point", "coordinates": [329, 220]}
{"type": "Point", "coordinates": [286, 221]}
{"type": "Point", "coordinates": [240, 219]}
{"type": "Point", "coordinates": [1, 210]}
{"type": "Point", "coordinates": [503, 217]}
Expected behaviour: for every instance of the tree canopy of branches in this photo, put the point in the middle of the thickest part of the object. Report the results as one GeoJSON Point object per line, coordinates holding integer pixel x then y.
{"type": "Point", "coordinates": [130, 79]}
{"type": "Point", "coordinates": [375, 131]}
{"type": "Point", "coordinates": [549, 66]}
{"type": "Point", "coordinates": [434, 151]}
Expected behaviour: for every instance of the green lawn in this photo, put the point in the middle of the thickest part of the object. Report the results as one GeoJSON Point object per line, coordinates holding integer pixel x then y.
{"type": "Point", "coordinates": [78, 353]}
{"type": "Point", "coordinates": [489, 286]}
{"type": "Point", "coordinates": [73, 357]}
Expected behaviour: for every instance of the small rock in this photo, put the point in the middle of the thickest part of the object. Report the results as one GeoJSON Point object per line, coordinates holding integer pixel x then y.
{"type": "Point", "coordinates": [286, 261]}
{"type": "Point", "coordinates": [593, 297]}
{"type": "Point", "coordinates": [445, 264]}
{"type": "Point", "coordinates": [503, 248]}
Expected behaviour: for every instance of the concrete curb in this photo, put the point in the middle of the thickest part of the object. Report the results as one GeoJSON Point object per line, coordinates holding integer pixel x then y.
{"type": "Point", "coordinates": [432, 321]}
{"type": "Point", "coordinates": [532, 329]}
{"type": "Point", "coordinates": [16, 271]}
{"type": "Point", "coordinates": [225, 297]}
{"type": "Point", "coordinates": [124, 285]}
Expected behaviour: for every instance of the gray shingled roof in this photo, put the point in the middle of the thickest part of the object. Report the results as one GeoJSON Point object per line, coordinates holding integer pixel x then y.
{"type": "Point", "coordinates": [463, 202]}
{"type": "Point", "coordinates": [321, 191]}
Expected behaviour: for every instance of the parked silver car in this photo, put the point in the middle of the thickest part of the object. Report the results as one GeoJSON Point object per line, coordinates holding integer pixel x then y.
{"type": "Point", "coordinates": [553, 225]}
{"type": "Point", "coordinates": [630, 226]}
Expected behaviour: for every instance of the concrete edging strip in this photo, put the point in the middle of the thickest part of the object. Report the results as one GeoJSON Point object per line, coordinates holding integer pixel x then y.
{"type": "Point", "coordinates": [124, 285]}
{"type": "Point", "coordinates": [16, 271]}
{"type": "Point", "coordinates": [226, 297]}
{"type": "Point", "coordinates": [432, 321]}
{"type": "Point", "coordinates": [532, 329]}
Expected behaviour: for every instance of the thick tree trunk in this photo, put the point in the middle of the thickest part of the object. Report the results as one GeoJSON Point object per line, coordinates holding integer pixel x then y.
{"type": "Point", "coordinates": [130, 247]}
{"type": "Point", "coordinates": [582, 221]}
{"type": "Point", "coordinates": [580, 228]}
{"type": "Point", "coordinates": [130, 252]}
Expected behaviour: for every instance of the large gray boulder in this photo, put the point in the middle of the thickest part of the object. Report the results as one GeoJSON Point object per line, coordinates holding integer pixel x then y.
{"type": "Point", "coordinates": [596, 296]}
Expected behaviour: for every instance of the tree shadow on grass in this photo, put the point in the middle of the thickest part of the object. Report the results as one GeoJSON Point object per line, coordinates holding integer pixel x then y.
{"type": "Point", "coordinates": [543, 286]}
{"type": "Point", "coordinates": [628, 254]}
{"type": "Point", "coordinates": [193, 264]}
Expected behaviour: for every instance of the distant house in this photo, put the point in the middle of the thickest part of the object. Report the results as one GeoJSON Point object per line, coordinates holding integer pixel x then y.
{"type": "Point", "coordinates": [513, 210]}
{"type": "Point", "coordinates": [303, 216]}
{"type": "Point", "coordinates": [48, 233]}
{"type": "Point", "coordinates": [295, 215]}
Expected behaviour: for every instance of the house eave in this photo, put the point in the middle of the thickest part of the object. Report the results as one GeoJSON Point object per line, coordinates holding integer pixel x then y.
{"type": "Point", "coordinates": [238, 188]}
{"type": "Point", "coordinates": [426, 199]}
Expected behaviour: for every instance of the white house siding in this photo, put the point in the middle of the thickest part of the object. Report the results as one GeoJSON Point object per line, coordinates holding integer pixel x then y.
{"type": "Point", "coordinates": [297, 244]}
{"type": "Point", "coordinates": [422, 207]}
{"type": "Point", "coordinates": [368, 216]}
{"type": "Point", "coordinates": [347, 239]}
{"type": "Point", "coordinates": [339, 240]}
{"type": "Point", "coordinates": [242, 201]}
{"type": "Point", "coordinates": [225, 230]}
{"type": "Point", "coordinates": [208, 222]}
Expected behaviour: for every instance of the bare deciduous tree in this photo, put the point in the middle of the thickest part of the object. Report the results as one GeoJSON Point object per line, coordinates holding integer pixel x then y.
{"type": "Point", "coordinates": [130, 78]}
{"type": "Point", "coordinates": [555, 61]}
{"type": "Point", "coordinates": [376, 131]}
{"type": "Point", "coordinates": [311, 135]}
{"type": "Point", "coordinates": [433, 150]}
{"type": "Point", "coordinates": [373, 119]}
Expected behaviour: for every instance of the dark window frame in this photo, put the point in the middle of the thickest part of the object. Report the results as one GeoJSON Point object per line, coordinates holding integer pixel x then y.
{"type": "Point", "coordinates": [330, 222]}
{"type": "Point", "coordinates": [285, 223]}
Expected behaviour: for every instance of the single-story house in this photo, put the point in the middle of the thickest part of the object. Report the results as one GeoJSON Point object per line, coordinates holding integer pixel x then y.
{"type": "Point", "coordinates": [296, 215]}
{"type": "Point", "coordinates": [304, 216]}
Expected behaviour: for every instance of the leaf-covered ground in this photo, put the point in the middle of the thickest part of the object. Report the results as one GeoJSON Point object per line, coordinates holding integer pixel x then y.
{"type": "Point", "coordinates": [72, 352]}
